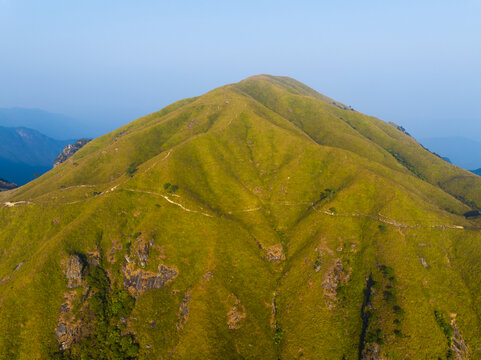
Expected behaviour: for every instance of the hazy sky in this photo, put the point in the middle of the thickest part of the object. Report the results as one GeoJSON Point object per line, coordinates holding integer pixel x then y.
{"type": "Point", "coordinates": [106, 62]}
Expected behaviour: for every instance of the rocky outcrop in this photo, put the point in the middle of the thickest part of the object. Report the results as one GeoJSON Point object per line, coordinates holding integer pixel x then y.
{"type": "Point", "coordinates": [235, 315]}
{"type": "Point", "coordinates": [372, 352]}
{"type": "Point", "coordinates": [73, 267]}
{"type": "Point", "coordinates": [138, 280]}
{"type": "Point", "coordinates": [459, 348]}
{"type": "Point", "coordinates": [183, 314]}
{"type": "Point", "coordinates": [275, 253]}
{"type": "Point", "coordinates": [69, 150]}
{"type": "Point", "coordinates": [336, 276]}
{"type": "Point", "coordinates": [69, 329]}
{"type": "Point", "coordinates": [5, 185]}
{"type": "Point", "coordinates": [141, 250]}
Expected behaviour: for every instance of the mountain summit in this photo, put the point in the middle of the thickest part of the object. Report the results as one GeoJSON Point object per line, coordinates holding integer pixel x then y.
{"type": "Point", "coordinates": [261, 220]}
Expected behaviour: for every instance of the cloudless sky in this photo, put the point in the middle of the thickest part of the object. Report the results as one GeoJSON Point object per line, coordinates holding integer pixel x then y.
{"type": "Point", "coordinates": [107, 62]}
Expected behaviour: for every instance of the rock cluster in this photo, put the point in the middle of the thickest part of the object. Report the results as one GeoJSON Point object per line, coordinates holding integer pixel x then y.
{"type": "Point", "coordinates": [235, 315]}
{"type": "Point", "coordinates": [336, 276]}
{"type": "Point", "coordinates": [69, 329]}
{"type": "Point", "coordinates": [458, 345]}
{"type": "Point", "coordinates": [5, 185]}
{"type": "Point", "coordinates": [183, 314]}
{"type": "Point", "coordinates": [73, 267]}
{"type": "Point", "coordinates": [69, 150]}
{"type": "Point", "coordinates": [275, 253]}
{"type": "Point", "coordinates": [137, 280]}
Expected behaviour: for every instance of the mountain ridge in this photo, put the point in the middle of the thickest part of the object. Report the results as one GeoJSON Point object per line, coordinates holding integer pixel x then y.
{"type": "Point", "coordinates": [26, 153]}
{"type": "Point", "coordinates": [258, 220]}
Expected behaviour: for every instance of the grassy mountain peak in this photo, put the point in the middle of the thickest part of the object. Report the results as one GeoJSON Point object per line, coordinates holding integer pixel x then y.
{"type": "Point", "coordinates": [259, 220]}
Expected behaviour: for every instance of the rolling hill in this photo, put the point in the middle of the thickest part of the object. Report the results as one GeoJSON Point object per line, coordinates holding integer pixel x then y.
{"type": "Point", "coordinates": [261, 220]}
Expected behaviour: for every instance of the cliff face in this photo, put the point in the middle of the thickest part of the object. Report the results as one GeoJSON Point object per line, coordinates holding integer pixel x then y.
{"type": "Point", "coordinates": [5, 185]}
{"type": "Point", "coordinates": [69, 150]}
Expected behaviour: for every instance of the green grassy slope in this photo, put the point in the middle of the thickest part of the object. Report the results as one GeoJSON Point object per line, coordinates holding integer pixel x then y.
{"type": "Point", "coordinates": [293, 226]}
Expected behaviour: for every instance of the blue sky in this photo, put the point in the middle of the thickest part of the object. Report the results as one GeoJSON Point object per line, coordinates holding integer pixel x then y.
{"type": "Point", "coordinates": [416, 63]}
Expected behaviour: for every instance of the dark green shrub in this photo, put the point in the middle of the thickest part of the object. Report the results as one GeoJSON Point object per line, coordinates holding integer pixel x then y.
{"type": "Point", "coordinates": [375, 336]}
{"type": "Point", "coordinates": [131, 170]}
{"type": "Point", "coordinates": [387, 271]}
{"type": "Point", "coordinates": [389, 297]}
{"type": "Point", "coordinates": [398, 310]}
{"type": "Point", "coordinates": [278, 335]}
{"type": "Point", "coordinates": [327, 194]}
{"type": "Point", "coordinates": [444, 325]}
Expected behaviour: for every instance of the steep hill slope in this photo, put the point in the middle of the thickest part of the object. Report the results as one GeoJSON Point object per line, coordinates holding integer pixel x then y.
{"type": "Point", "coordinates": [260, 220]}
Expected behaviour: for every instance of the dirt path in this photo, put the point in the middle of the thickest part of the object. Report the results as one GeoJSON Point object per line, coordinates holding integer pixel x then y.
{"type": "Point", "coordinates": [169, 200]}
{"type": "Point", "coordinates": [379, 217]}
{"type": "Point", "coordinates": [384, 219]}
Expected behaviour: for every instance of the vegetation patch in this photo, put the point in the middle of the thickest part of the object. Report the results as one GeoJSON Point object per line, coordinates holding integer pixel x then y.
{"type": "Point", "coordinates": [404, 162]}
{"type": "Point", "coordinates": [107, 333]}
{"type": "Point", "coordinates": [170, 188]}
{"type": "Point", "coordinates": [131, 170]}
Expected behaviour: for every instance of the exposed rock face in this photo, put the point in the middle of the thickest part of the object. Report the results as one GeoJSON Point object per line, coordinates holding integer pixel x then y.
{"type": "Point", "coordinates": [423, 262]}
{"type": "Point", "coordinates": [137, 280]}
{"type": "Point", "coordinates": [69, 150]}
{"type": "Point", "coordinates": [5, 185]}
{"type": "Point", "coordinates": [69, 329]}
{"type": "Point", "coordinates": [93, 258]}
{"type": "Point", "coordinates": [458, 346]}
{"type": "Point", "coordinates": [184, 310]}
{"type": "Point", "coordinates": [371, 352]}
{"type": "Point", "coordinates": [141, 250]}
{"type": "Point", "coordinates": [235, 315]}
{"type": "Point", "coordinates": [73, 270]}
{"type": "Point", "coordinates": [275, 253]}
{"type": "Point", "coordinates": [333, 278]}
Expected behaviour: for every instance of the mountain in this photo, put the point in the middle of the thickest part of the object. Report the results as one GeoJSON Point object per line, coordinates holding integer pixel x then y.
{"type": "Point", "coordinates": [26, 153]}
{"type": "Point", "coordinates": [261, 220]}
{"type": "Point", "coordinates": [477, 171]}
{"type": "Point", "coordinates": [462, 151]}
{"type": "Point", "coordinates": [6, 185]}
{"type": "Point", "coordinates": [54, 125]}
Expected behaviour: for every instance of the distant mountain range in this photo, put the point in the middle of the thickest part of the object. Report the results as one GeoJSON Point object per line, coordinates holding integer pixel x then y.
{"type": "Point", "coordinates": [54, 125]}
{"type": "Point", "coordinates": [461, 151]}
{"type": "Point", "coordinates": [26, 153]}
{"type": "Point", "coordinates": [6, 185]}
{"type": "Point", "coordinates": [477, 172]}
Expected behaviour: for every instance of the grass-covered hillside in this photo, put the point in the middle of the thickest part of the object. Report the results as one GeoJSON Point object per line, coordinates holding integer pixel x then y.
{"type": "Point", "coordinates": [261, 220]}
